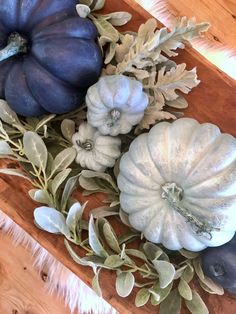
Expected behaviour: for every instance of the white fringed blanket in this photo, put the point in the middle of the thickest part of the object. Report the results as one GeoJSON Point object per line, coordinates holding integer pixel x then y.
{"type": "Point", "coordinates": [78, 297]}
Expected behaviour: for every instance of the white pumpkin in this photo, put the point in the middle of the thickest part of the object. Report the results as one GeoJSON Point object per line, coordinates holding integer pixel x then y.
{"type": "Point", "coordinates": [95, 151]}
{"type": "Point", "coordinates": [115, 104]}
{"type": "Point", "coordinates": [178, 185]}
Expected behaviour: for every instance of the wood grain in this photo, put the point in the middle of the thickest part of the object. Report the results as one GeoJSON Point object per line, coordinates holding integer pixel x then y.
{"type": "Point", "coordinates": [220, 13]}
{"type": "Point", "coordinates": [213, 101]}
{"type": "Point", "coordinates": [22, 290]}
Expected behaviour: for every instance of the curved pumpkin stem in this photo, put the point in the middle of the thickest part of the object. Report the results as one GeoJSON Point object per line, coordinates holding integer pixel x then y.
{"type": "Point", "coordinates": [174, 195]}
{"type": "Point", "coordinates": [16, 44]}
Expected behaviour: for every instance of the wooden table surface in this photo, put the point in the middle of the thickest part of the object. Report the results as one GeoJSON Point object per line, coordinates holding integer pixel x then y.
{"type": "Point", "coordinates": [214, 100]}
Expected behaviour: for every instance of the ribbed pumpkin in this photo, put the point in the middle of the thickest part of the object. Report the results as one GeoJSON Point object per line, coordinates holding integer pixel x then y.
{"type": "Point", "coordinates": [178, 185]}
{"type": "Point", "coordinates": [115, 104]}
{"type": "Point", "coordinates": [54, 56]}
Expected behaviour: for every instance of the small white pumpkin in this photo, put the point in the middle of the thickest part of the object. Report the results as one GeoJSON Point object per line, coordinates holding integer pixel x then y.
{"type": "Point", "coordinates": [95, 151]}
{"type": "Point", "coordinates": [115, 104]}
{"type": "Point", "coordinates": [178, 185]}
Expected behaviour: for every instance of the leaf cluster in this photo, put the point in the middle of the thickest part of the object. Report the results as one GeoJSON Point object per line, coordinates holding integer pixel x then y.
{"type": "Point", "coordinates": [145, 56]}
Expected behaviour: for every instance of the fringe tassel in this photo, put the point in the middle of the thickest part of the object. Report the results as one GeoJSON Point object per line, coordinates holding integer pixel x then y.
{"type": "Point", "coordinates": [78, 296]}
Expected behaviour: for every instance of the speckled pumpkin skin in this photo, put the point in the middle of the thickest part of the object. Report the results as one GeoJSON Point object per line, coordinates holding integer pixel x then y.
{"type": "Point", "coordinates": [200, 160]}
{"type": "Point", "coordinates": [62, 61]}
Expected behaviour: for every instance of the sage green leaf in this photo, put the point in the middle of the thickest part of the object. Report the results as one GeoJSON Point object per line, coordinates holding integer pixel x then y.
{"type": "Point", "coordinates": [14, 172]}
{"type": "Point", "coordinates": [198, 268]}
{"type": "Point", "coordinates": [63, 160]}
{"type": "Point", "coordinates": [179, 103]}
{"type": "Point", "coordinates": [94, 240]}
{"type": "Point", "coordinates": [162, 293]}
{"type": "Point", "coordinates": [210, 286]}
{"type": "Point", "coordinates": [74, 215]}
{"type": "Point", "coordinates": [113, 261]}
{"type": "Point", "coordinates": [110, 53]}
{"type": "Point", "coordinates": [69, 188]}
{"type": "Point", "coordinates": [128, 237]}
{"type": "Point", "coordinates": [100, 175]}
{"type": "Point", "coordinates": [118, 18]}
{"type": "Point", "coordinates": [111, 237]}
{"type": "Point", "coordinates": [104, 211]}
{"type": "Point", "coordinates": [79, 260]}
{"type": "Point", "coordinates": [5, 148]}
{"type": "Point", "coordinates": [7, 115]}
{"type": "Point", "coordinates": [68, 129]}
{"type": "Point", "coordinates": [196, 305]}
{"type": "Point", "coordinates": [124, 218]}
{"type": "Point", "coordinates": [95, 284]}
{"type": "Point", "coordinates": [106, 29]}
{"type": "Point", "coordinates": [142, 297]}
{"type": "Point", "coordinates": [35, 149]}
{"type": "Point", "coordinates": [124, 284]}
{"type": "Point", "coordinates": [172, 304]}
{"type": "Point", "coordinates": [59, 179]}
{"type": "Point", "coordinates": [189, 254]}
{"type": "Point", "coordinates": [179, 272]}
{"type": "Point", "coordinates": [51, 220]}
{"type": "Point", "coordinates": [154, 295]}
{"type": "Point", "coordinates": [136, 253]}
{"type": "Point", "coordinates": [83, 10]}
{"type": "Point", "coordinates": [188, 274]}
{"type": "Point", "coordinates": [44, 121]}
{"type": "Point", "coordinates": [184, 290]}
{"type": "Point", "coordinates": [42, 196]}
{"type": "Point", "coordinates": [166, 272]}
{"type": "Point", "coordinates": [89, 184]}
{"type": "Point", "coordinates": [86, 2]}
{"type": "Point", "coordinates": [152, 251]}
{"type": "Point", "coordinates": [98, 5]}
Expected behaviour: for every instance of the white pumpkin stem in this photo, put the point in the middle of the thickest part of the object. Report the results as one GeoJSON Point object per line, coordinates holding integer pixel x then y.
{"type": "Point", "coordinates": [87, 145]}
{"type": "Point", "coordinates": [16, 44]}
{"type": "Point", "coordinates": [115, 114]}
{"type": "Point", "coordinates": [174, 195]}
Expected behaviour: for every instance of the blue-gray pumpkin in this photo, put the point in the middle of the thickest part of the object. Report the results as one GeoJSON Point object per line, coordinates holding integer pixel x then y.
{"type": "Point", "coordinates": [48, 58]}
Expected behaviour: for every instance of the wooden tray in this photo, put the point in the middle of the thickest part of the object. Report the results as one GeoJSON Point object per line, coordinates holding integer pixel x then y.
{"type": "Point", "coordinates": [214, 100]}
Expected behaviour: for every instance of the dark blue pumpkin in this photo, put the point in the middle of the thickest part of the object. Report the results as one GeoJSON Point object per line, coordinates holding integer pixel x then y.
{"type": "Point", "coordinates": [60, 59]}
{"type": "Point", "coordinates": [219, 264]}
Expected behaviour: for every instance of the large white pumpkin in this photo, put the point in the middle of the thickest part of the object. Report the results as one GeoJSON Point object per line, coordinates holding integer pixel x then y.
{"type": "Point", "coordinates": [178, 185]}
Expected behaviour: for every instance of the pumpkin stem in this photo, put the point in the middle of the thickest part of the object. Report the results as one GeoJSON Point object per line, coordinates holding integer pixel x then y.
{"type": "Point", "coordinates": [16, 44]}
{"type": "Point", "coordinates": [174, 195]}
{"type": "Point", "coordinates": [87, 145]}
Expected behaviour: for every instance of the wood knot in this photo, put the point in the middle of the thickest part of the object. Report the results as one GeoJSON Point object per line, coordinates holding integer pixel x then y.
{"type": "Point", "coordinates": [44, 276]}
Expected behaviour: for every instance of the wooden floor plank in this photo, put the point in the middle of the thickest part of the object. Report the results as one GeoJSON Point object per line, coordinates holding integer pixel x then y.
{"type": "Point", "coordinates": [22, 290]}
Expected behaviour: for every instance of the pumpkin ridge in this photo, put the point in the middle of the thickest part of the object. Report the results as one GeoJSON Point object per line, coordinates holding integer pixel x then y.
{"type": "Point", "coordinates": [89, 32]}
{"type": "Point", "coordinates": [65, 89]}
{"type": "Point", "coordinates": [10, 66]}
{"type": "Point", "coordinates": [230, 169]}
{"type": "Point", "coordinates": [23, 90]}
{"type": "Point", "coordinates": [216, 173]}
{"type": "Point", "coordinates": [165, 179]}
{"type": "Point", "coordinates": [157, 183]}
{"type": "Point", "coordinates": [177, 130]}
{"type": "Point", "coordinates": [136, 168]}
{"type": "Point", "coordinates": [50, 61]}
{"type": "Point", "coordinates": [203, 153]}
{"type": "Point", "coordinates": [124, 181]}
{"type": "Point", "coordinates": [55, 12]}
{"type": "Point", "coordinates": [142, 220]}
{"type": "Point", "coordinates": [148, 226]}
{"type": "Point", "coordinates": [35, 8]}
